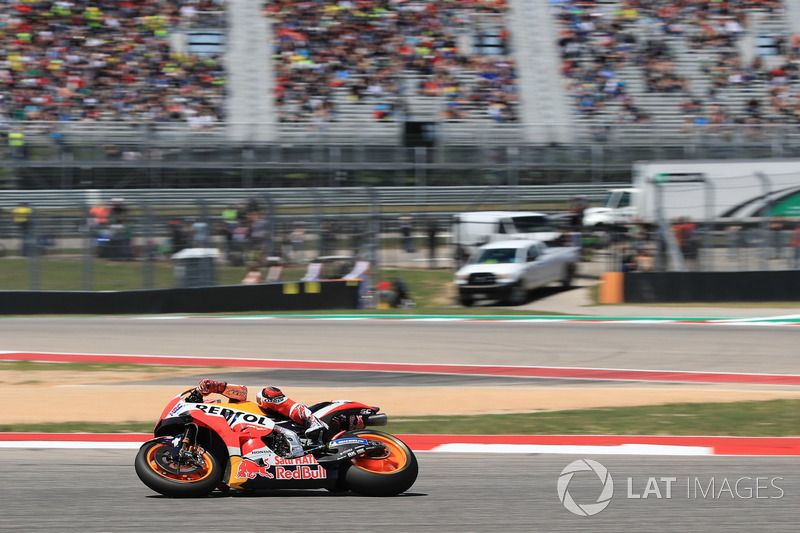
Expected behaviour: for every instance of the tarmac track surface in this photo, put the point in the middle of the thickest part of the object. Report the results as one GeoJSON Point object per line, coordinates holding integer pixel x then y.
{"type": "Point", "coordinates": [690, 347]}
{"type": "Point", "coordinates": [97, 490]}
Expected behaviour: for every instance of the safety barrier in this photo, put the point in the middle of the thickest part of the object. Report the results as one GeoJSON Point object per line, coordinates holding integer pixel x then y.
{"type": "Point", "coordinates": [674, 287]}
{"type": "Point", "coordinates": [297, 296]}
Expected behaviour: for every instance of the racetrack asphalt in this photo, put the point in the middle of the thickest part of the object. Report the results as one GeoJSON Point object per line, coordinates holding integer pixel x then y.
{"type": "Point", "coordinates": [98, 491]}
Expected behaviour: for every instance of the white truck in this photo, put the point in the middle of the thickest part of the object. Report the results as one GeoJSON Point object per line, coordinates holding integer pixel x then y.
{"type": "Point", "coordinates": [702, 190]}
{"type": "Point", "coordinates": [509, 270]}
{"type": "Point", "coordinates": [476, 228]}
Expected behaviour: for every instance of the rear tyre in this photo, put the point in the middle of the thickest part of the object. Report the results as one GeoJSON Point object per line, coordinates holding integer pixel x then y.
{"type": "Point", "coordinates": [466, 301]}
{"type": "Point", "coordinates": [387, 475]}
{"type": "Point", "coordinates": [156, 468]}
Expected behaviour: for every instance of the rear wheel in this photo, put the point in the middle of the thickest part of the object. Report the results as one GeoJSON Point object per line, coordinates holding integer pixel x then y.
{"type": "Point", "coordinates": [466, 301]}
{"type": "Point", "coordinates": [178, 479]}
{"type": "Point", "coordinates": [388, 474]}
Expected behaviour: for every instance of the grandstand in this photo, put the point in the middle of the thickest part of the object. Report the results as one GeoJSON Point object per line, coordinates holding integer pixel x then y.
{"type": "Point", "coordinates": [240, 94]}
{"type": "Point", "coordinates": [671, 69]}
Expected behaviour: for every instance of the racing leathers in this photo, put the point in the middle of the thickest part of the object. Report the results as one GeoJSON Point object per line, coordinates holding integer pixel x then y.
{"type": "Point", "coordinates": [272, 401]}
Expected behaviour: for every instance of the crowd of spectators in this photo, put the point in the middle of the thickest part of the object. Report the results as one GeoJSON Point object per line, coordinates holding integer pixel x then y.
{"type": "Point", "coordinates": [362, 48]}
{"type": "Point", "coordinates": [596, 44]}
{"type": "Point", "coordinates": [105, 60]}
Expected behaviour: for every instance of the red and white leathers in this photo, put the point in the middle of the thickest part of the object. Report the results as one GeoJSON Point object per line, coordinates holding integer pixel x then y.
{"type": "Point", "coordinates": [237, 393]}
{"type": "Point", "coordinates": [272, 400]}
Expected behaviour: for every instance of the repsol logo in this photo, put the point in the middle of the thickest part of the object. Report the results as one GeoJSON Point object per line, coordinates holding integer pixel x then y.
{"type": "Point", "coordinates": [233, 416]}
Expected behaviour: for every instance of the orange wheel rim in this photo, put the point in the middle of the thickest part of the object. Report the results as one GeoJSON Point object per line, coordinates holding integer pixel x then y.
{"type": "Point", "coordinates": [172, 470]}
{"type": "Point", "coordinates": [394, 459]}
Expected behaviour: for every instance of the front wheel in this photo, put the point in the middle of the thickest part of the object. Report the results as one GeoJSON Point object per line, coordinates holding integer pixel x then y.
{"type": "Point", "coordinates": [386, 475]}
{"type": "Point", "coordinates": [466, 301]}
{"type": "Point", "coordinates": [158, 470]}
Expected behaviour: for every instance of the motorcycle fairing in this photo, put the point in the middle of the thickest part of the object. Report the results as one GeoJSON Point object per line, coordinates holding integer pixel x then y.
{"type": "Point", "coordinates": [347, 415]}
{"type": "Point", "coordinates": [268, 471]}
{"type": "Point", "coordinates": [235, 423]}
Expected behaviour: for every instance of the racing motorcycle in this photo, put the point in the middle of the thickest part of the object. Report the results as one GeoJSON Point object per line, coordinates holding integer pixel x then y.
{"type": "Point", "coordinates": [201, 445]}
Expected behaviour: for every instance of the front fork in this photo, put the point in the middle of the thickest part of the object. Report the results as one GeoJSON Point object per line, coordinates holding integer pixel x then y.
{"type": "Point", "coordinates": [184, 447]}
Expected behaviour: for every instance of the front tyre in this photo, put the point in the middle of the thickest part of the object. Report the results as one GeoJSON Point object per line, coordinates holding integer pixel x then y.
{"type": "Point", "coordinates": [192, 479]}
{"type": "Point", "coordinates": [387, 475]}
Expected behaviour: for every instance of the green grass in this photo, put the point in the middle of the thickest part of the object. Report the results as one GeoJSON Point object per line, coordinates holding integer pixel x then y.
{"type": "Point", "coordinates": [66, 274]}
{"type": "Point", "coordinates": [430, 289]}
{"type": "Point", "coordinates": [774, 418]}
{"type": "Point", "coordinates": [771, 418]}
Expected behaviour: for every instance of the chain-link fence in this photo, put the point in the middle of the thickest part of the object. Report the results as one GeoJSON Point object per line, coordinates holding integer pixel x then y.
{"type": "Point", "coordinates": [117, 244]}
{"type": "Point", "coordinates": [684, 246]}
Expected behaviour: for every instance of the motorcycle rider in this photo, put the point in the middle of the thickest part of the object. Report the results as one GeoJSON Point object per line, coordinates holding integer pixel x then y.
{"type": "Point", "coordinates": [272, 401]}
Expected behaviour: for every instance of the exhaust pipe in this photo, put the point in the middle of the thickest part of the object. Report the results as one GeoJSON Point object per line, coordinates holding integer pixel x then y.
{"type": "Point", "coordinates": [378, 419]}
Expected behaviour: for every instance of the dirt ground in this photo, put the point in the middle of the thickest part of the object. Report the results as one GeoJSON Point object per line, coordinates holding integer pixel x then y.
{"type": "Point", "coordinates": [105, 396]}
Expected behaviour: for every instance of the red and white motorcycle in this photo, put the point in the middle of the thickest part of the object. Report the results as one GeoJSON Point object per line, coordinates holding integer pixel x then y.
{"type": "Point", "coordinates": [200, 446]}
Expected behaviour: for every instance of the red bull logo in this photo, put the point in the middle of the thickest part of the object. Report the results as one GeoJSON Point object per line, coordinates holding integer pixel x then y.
{"type": "Point", "coordinates": [301, 472]}
{"type": "Point", "coordinates": [250, 470]}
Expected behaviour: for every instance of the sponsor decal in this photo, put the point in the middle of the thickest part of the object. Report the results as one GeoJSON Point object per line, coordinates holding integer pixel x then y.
{"type": "Point", "coordinates": [261, 451]}
{"type": "Point", "coordinates": [175, 410]}
{"type": "Point", "coordinates": [233, 416]}
{"type": "Point", "coordinates": [250, 470]}
{"type": "Point", "coordinates": [300, 472]}
{"type": "Point", "coordinates": [348, 441]}
{"type": "Point", "coordinates": [305, 460]}
{"type": "Point", "coordinates": [356, 422]}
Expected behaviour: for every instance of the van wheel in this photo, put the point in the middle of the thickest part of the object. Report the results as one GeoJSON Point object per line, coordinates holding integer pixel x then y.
{"type": "Point", "coordinates": [569, 273]}
{"type": "Point", "coordinates": [517, 296]}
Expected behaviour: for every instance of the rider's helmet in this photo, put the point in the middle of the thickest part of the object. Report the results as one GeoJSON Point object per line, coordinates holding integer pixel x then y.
{"type": "Point", "coordinates": [270, 396]}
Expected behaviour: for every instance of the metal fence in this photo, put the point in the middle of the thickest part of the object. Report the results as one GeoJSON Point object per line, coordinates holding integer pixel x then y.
{"type": "Point", "coordinates": [171, 155]}
{"type": "Point", "coordinates": [118, 244]}
{"type": "Point", "coordinates": [683, 247]}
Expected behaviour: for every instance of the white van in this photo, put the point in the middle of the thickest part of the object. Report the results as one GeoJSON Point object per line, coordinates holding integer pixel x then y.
{"type": "Point", "coordinates": [473, 229]}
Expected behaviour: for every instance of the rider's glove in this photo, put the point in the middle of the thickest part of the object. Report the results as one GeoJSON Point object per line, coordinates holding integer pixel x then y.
{"type": "Point", "coordinates": [207, 386]}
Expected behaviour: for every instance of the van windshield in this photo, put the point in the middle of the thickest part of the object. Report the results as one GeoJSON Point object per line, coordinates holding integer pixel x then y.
{"type": "Point", "coordinates": [532, 224]}
{"type": "Point", "coordinates": [495, 255]}
{"type": "Point", "coordinates": [618, 199]}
